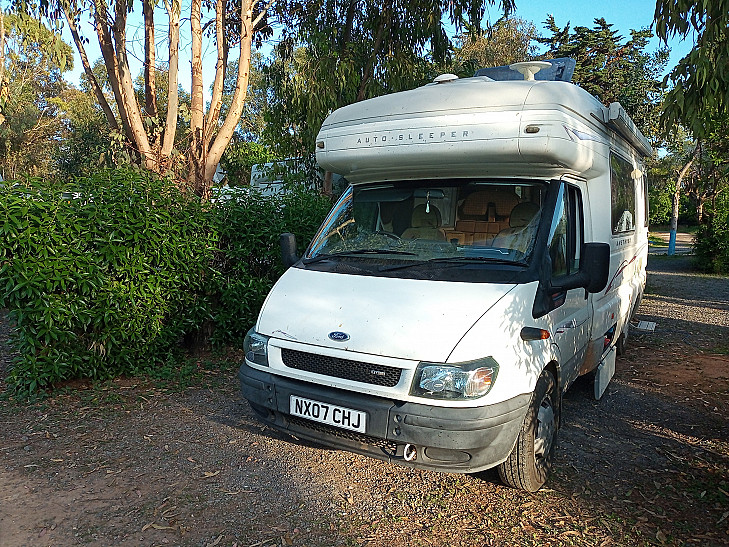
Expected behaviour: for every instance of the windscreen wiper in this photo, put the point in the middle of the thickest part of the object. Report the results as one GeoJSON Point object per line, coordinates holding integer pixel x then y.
{"type": "Point", "coordinates": [456, 261]}
{"type": "Point", "coordinates": [358, 252]}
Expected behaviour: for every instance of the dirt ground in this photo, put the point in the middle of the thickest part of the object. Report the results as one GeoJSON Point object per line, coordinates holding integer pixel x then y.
{"type": "Point", "coordinates": [134, 463]}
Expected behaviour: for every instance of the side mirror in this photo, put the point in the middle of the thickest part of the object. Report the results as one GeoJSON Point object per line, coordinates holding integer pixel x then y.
{"type": "Point", "coordinates": [594, 270]}
{"type": "Point", "coordinates": [288, 250]}
{"type": "Point", "coordinates": [595, 265]}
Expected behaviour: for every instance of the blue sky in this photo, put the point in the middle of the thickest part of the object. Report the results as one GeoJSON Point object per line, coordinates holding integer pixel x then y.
{"type": "Point", "coordinates": [624, 15]}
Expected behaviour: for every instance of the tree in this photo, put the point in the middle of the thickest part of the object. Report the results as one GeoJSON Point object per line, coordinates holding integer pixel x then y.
{"type": "Point", "coordinates": [335, 53]}
{"type": "Point", "coordinates": [85, 141]}
{"type": "Point", "coordinates": [226, 24]}
{"type": "Point", "coordinates": [252, 121]}
{"type": "Point", "coordinates": [509, 40]}
{"type": "Point", "coordinates": [701, 79]}
{"type": "Point", "coordinates": [32, 64]}
{"type": "Point", "coordinates": [613, 69]}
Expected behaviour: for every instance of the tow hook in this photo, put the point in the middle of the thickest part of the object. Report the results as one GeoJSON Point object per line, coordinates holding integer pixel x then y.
{"type": "Point", "coordinates": [409, 453]}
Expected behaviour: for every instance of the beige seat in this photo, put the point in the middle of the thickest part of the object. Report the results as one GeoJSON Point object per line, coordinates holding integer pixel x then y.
{"type": "Point", "coordinates": [483, 214]}
{"type": "Point", "coordinates": [425, 224]}
{"type": "Point", "coordinates": [516, 236]}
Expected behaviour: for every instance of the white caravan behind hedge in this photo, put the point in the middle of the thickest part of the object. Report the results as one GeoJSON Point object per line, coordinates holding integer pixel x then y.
{"type": "Point", "coordinates": [490, 249]}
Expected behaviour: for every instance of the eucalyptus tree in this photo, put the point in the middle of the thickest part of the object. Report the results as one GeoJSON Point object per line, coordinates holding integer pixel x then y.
{"type": "Point", "coordinates": [700, 80]}
{"type": "Point", "coordinates": [230, 27]}
{"type": "Point", "coordinates": [334, 53]}
{"type": "Point", "coordinates": [699, 97]}
{"type": "Point", "coordinates": [32, 62]}
{"type": "Point", "coordinates": [509, 40]}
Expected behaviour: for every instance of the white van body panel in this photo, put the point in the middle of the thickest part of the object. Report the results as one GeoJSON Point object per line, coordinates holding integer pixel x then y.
{"type": "Point", "coordinates": [477, 321]}
{"type": "Point", "coordinates": [424, 319]}
{"type": "Point", "coordinates": [465, 128]}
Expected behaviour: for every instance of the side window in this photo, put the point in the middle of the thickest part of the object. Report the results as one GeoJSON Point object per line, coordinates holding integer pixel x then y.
{"type": "Point", "coordinates": [622, 195]}
{"type": "Point", "coordinates": [567, 232]}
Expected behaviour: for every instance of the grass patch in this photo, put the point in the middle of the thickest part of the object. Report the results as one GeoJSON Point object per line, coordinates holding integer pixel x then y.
{"type": "Point", "coordinates": [680, 229]}
{"type": "Point", "coordinates": [656, 241]}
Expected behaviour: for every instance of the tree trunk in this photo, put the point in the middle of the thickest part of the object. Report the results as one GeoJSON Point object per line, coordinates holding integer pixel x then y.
{"type": "Point", "coordinates": [677, 199]}
{"type": "Point", "coordinates": [217, 98]}
{"type": "Point", "coordinates": [379, 38]}
{"type": "Point", "coordinates": [197, 119]}
{"type": "Point", "coordinates": [3, 87]}
{"type": "Point", "coordinates": [129, 99]}
{"type": "Point", "coordinates": [173, 98]}
{"type": "Point", "coordinates": [348, 23]}
{"type": "Point", "coordinates": [106, 46]}
{"type": "Point", "coordinates": [700, 209]}
{"type": "Point", "coordinates": [150, 88]}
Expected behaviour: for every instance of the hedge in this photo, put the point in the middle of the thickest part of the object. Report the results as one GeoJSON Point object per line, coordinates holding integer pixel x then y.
{"type": "Point", "coordinates": [111, 273]}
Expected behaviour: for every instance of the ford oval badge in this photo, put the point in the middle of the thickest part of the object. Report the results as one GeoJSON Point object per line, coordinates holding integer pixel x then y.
{"type": "Point", "coordinates": [338, 336]}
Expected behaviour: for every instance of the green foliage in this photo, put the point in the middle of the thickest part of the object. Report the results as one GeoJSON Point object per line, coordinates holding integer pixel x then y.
{"type": "Point", "coordinates": [712, 239]}
{"type": "Point", "coordinates": [612, 68]}
{"type": "Point", "coordinates": [509, 40]}
{"type": "Point", "coordinates": [660, 206]}
{"type": "Point", "coordinates": [85, 142]}
{"type": "Point", "coordinates": [100, 275]}
{"type": "Point", "coordinates": [249, 260]}
{"type": "Point", "coordinates": [701, 78]}
{"type": "Point", "coordinates": [336, 53]}
{"type": "Point", "coordinates": [252, 122]}
{"type": "Point", "coordinates": [29, 121]}
{"type": "Point", "coordinates": [238, 159]}
{"type": "Point", "coordinates": [111, 273]}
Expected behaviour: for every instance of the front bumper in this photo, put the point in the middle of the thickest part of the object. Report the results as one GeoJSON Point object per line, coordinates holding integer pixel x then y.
{"type": "Point", "coordinates": [457, 440]}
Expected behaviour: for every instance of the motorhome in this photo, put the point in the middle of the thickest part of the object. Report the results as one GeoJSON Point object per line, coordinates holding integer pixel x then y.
{"type": "Point", "coordinates": [490, 249]}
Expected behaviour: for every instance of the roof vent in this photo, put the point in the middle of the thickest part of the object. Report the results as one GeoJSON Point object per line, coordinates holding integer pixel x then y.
{"type": "Point", "coordinates": [529, 68]}
{"type": "Point", "coordinates": [445, 78]}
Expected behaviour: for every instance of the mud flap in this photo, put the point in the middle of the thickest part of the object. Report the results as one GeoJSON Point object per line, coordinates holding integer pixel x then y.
{"type": "Point", "coordinates": [604, 373]}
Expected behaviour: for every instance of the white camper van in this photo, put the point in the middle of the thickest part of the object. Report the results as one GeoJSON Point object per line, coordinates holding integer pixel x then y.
{"type": "Point", "coordinates": [490, 248]}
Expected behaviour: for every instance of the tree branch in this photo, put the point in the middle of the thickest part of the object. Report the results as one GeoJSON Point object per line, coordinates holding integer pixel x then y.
{"type": "Point", "coordinates": [98, 92]}
{"type": "Point", "coordinates": [173, 98]}
{"type": "Point", "coordinates": [217, 97]}
{"type": "Point", "coordinates": [127, 87]}
{"type": "Point", "coordinates": [150, 88]}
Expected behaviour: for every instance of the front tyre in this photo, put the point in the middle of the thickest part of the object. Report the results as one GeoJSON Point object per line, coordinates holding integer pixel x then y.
{"type": "Point", "coordinates": [530, 461]}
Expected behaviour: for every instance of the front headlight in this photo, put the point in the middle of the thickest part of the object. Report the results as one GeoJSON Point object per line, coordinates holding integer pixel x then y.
{"type": "Point", "coordinates": [256, 347]}
{"type": "Point", "coordinates": [455, 381]}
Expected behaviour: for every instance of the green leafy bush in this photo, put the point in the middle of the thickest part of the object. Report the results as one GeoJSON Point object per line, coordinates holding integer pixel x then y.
{"type": "Point", "coordinates": [101, 276]}
{"type": "Point", "coordinates": [111, 273]}
{"type": "Point", "coordinates": [240, 157]}
{"type": "Point", "coordinates": [249, 262]}
{"type": "Point", "coordinates": [712, 239]}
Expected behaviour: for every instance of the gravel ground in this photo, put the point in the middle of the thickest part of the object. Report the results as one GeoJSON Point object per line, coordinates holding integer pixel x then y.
{"type": "Point", "coordinates": [129, 462]}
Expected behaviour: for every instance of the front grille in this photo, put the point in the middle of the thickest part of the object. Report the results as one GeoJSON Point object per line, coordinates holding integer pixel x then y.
{"type": "Point", "coordinates": [387, 446]}
{"type": "Point", "coordinates": [367, 373]}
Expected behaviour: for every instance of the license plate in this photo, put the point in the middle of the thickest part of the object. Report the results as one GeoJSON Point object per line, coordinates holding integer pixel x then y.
{"type": "Point", "coordinates": [338, 416]}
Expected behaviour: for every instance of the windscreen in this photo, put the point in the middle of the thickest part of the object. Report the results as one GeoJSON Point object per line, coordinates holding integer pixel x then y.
{"type": "Point", "coordinates": [428, 224]}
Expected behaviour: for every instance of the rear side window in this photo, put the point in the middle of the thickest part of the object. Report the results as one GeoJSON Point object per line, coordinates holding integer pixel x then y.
{"type": "Point", "coordinates": [622, 195]}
